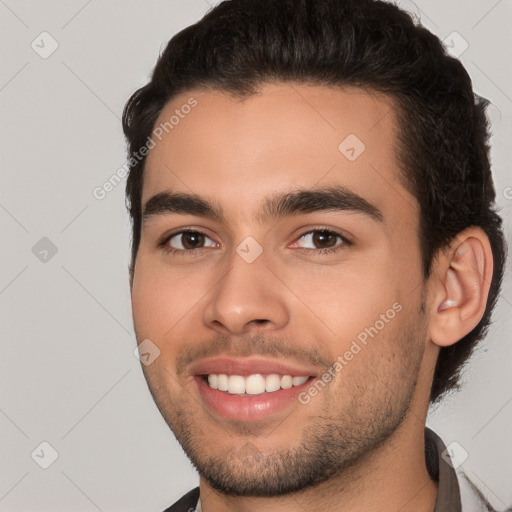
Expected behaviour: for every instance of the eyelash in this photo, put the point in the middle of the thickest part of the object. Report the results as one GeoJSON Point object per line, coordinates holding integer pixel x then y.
{"type": "Point", "coordinates": [190, 252]}
{"type": "Point", "coordinates": [197, 252]}
{"type": "Point", "coordinates": [345, 242]}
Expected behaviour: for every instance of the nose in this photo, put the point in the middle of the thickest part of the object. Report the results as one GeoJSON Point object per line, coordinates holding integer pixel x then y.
{"type": "Point", "coordinates": [248, 297]}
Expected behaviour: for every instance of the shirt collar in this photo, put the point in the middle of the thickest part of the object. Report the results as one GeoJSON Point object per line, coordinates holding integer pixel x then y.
{"type": "Point", "coordinates": [448, 491]}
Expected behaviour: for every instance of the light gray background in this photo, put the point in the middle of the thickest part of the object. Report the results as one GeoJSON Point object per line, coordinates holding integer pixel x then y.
{"type": "Point", "coordinates": [68, 373]}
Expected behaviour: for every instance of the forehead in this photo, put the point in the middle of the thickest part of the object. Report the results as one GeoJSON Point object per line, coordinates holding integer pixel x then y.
{"type": "Point", "coordinates": [287, 136]}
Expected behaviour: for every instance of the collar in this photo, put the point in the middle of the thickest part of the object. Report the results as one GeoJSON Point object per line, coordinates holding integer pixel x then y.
{"type": "Point", "coordinates": [448, 490]}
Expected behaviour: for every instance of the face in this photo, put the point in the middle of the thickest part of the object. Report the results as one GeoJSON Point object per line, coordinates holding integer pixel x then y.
{"type": "Point", "coordinates": [279, 277]}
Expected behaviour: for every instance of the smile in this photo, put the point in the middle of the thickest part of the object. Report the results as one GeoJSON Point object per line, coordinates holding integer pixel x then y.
{"type": "Point", "coordinates": [255, 384]}
{"type": "Point", "coordinates": [250, 389]}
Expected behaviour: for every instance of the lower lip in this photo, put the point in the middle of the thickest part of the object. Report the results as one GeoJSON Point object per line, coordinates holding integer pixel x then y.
{"type": "Point", "coordinates": [249, 407]}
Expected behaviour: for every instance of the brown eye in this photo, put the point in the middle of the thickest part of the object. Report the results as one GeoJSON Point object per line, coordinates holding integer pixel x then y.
{"type": "Point", "coordinates": [319, 239]}
{"type": "Point", "coordinates": [324, 239]}
{"type": "Point", "coordinates": [190, 240]}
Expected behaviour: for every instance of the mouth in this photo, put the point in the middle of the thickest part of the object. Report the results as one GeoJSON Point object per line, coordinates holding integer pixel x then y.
{"type": "Point", "coordinates": [249, 389]}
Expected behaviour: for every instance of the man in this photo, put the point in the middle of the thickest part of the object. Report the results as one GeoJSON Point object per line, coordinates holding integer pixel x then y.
{"type": "Point", "coordinates": [315, 253]}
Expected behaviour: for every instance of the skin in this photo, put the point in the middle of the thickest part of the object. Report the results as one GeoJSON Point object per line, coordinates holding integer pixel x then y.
{"type": "Point", "coordinates": [297, 304]}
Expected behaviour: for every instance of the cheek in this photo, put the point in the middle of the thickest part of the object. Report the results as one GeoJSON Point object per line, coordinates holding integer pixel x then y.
{"type": "Point", "coordinates": [343, 301]}
{"type": "Point", "coordinates": [162, 300]}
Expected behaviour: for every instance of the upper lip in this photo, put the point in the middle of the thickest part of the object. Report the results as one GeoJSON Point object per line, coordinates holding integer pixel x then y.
{"type": "Point", "coordinates": [248, 366]}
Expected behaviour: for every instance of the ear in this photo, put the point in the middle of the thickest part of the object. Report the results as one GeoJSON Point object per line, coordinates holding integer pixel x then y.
{"type": "Point", "coordinates": [461, 278]}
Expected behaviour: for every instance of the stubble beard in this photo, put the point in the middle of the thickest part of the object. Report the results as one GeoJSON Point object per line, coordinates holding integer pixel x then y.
{"type": "Point", "coordinates": [330, 444]}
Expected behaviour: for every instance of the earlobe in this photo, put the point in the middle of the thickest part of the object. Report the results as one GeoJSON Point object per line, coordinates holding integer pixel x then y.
{"type": "Point", "coordinates": [462, 280]}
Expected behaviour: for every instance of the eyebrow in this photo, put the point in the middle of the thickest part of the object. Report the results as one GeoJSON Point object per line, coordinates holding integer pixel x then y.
{"type": "Point", "coordinates": [277, 206]}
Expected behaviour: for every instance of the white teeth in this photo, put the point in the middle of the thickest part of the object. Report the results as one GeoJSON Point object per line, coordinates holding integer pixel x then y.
{"type": "Point", "coordinates": [255, 384]}
{"type": "Point", "coordinates": [273, 382]}
{"type": "Point", "coordinates": [286, 382]}
{"type": "Point", "coordinates": [222, 382]}
{"type": "Point", "coordinates": [212, 380]}
{"type": "Point", "coordinates": [297, 381]}
{"type": "Point", "coordinates": [236, 385]}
